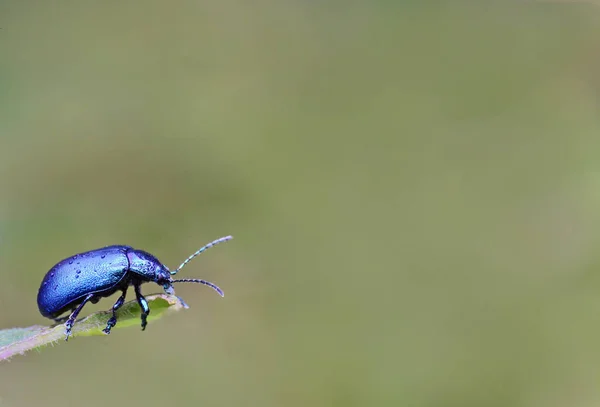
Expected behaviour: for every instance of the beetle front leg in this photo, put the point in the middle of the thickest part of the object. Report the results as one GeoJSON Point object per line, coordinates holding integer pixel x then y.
{"type": "Point", "coordinates": [143, 305]}
{"type": "Point", "coordinates": [113, 320]}
{"type": "Point", "coordinates": [73, 316]}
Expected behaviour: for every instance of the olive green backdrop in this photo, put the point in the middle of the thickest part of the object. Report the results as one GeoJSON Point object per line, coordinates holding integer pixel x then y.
{"type": "Point", "coordinates": [414, 193]}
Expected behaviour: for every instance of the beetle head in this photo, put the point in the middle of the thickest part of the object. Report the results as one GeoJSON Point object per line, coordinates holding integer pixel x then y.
{"type": "Point", "coordinates": [163, 278]}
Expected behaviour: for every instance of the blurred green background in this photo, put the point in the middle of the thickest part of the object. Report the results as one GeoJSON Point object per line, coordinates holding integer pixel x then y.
{"type": "Point", "coordinates": [414, 192]}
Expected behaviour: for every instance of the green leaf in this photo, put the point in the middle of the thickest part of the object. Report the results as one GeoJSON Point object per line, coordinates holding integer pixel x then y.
{"type": "Point", "coordinates": [20, 340]}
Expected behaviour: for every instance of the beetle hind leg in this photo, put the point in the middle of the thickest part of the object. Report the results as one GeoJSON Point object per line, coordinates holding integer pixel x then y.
{"type": "Point", "coordinates": [113, 320]}
{"type": "Point", "coordinates": [71, 319]}
{"type": "Point", "coordinates": [143, 305]}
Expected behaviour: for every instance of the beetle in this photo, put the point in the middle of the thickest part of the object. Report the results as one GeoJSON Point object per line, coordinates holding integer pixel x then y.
{"type": "Point", "coordinates": [89, 276]}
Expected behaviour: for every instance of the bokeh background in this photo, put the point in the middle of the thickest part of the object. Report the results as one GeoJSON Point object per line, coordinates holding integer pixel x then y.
{"type": "Point", "coordinates": [414, 192]}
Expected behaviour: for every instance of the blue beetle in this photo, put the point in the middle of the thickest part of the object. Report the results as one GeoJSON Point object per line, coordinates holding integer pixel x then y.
{"type": "Point", "coordinates": [92, 275]}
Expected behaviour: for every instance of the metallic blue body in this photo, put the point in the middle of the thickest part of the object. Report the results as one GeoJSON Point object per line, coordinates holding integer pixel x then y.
{"type": "Point", "coordinates": [101, 272]}
{"type": "Point", "coordinates": [92, 275]}
{"type": "Point", "coordinates": [72, 279]}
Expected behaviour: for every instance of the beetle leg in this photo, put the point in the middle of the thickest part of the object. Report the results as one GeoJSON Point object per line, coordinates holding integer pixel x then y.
{"type": "Point", "coordinates": [113, 320]}
{"type": "Point", "coordinates": [143, 305]}
{"type": "Point", "coordinates": [73, 316]}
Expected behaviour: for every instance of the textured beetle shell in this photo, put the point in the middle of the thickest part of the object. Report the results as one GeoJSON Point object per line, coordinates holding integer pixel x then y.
{"type": "Point", "coordinates": [75, 277]}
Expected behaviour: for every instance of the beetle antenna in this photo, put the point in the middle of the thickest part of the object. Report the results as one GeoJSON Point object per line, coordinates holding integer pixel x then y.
{"type": "Point", "coordinates": [194, 280]}
{"type": "Point", "coordinates": [208, 246]}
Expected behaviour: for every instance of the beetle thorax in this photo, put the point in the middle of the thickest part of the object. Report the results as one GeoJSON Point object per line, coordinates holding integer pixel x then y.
{"type": "Point", "coordinates": [147, 267]}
